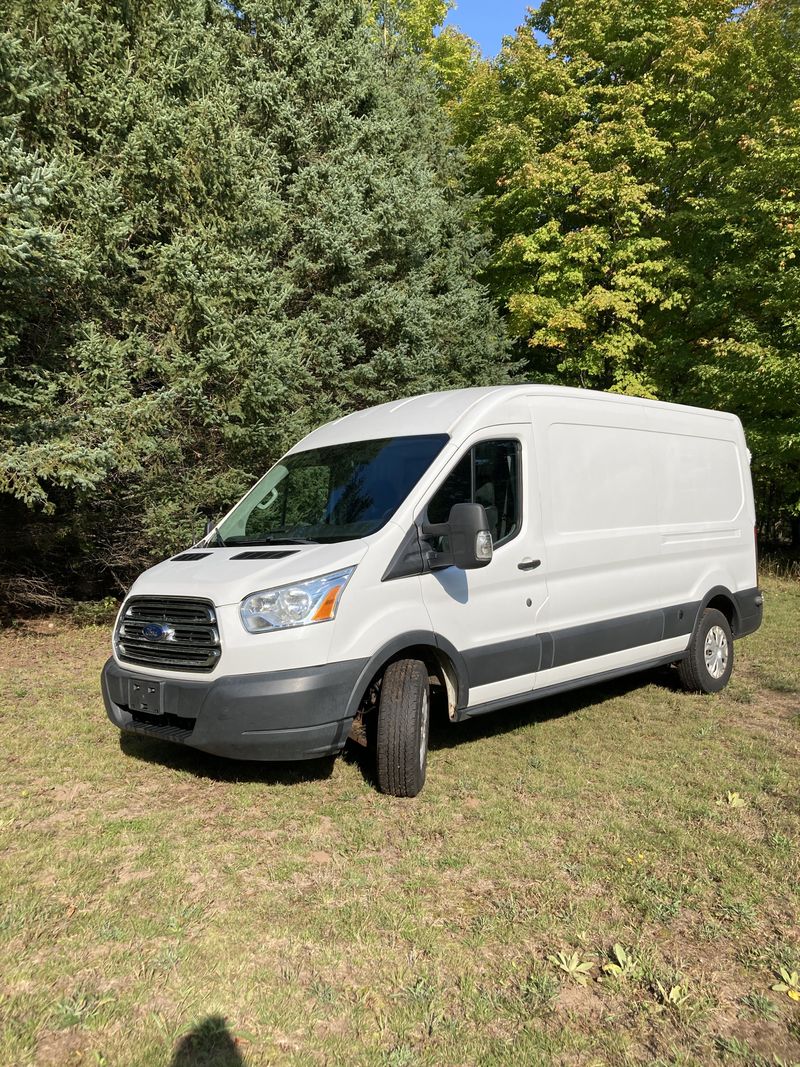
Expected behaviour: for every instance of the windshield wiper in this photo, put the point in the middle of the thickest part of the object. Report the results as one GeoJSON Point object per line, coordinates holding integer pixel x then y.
{"type": "Point", "coordinates": [215, 542]}
{"type": "Point", "coordinates": [269, 541]}
{"type": "Point", "coordinates": [289, 541]}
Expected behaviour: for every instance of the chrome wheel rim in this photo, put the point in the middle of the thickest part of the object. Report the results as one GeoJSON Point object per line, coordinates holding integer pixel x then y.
{"type": "Point", "coordinates": [423, 727]}
{"type": "Point", "coordinates": [715, 651]}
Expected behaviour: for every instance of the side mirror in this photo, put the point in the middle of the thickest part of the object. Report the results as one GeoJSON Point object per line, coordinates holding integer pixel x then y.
{"type": "Point", "coordinates": [468, 535]}
{"type": "Point", "coordinates": [470, 538]}
{"type": "Point", "coordinates": [210, 527]}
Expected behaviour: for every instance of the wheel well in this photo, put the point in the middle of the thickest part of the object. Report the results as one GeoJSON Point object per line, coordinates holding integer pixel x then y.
{"type": "Point", "coordinates": [439, 665]}
{"type": "Point", "coordinates": [726, 606]}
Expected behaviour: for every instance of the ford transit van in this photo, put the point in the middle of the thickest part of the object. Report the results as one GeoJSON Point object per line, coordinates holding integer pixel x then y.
{"type": "Point", "coordinates": [480, 547]}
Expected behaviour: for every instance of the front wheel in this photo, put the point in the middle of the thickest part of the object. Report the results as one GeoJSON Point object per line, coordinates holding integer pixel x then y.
{"type": "Point", "coordinates": [403, 725]}
{"type": "Point", "coordinates": [707, 665]}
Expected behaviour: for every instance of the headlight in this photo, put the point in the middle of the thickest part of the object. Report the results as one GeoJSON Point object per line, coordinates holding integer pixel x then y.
{"type": "Point", "coordinates": [299, 604]}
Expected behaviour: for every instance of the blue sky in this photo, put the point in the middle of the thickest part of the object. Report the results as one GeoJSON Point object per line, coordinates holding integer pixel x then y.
{"type": "Point", "coordinates": [489, 20]}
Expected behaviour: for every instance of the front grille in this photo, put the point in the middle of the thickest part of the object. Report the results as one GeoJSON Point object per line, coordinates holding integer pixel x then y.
{"type": "Point", "coordinates": [189, 640]}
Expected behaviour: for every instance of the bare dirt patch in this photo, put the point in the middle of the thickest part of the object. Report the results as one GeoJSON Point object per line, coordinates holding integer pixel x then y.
{"type": "Point", "coordinates": [62, 1048]}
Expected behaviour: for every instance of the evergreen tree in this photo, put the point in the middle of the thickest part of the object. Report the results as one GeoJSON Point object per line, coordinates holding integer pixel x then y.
{"type": "Point", "coordinates": [222, 227]}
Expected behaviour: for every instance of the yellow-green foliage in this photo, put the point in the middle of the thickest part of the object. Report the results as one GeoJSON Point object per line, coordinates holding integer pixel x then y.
{"type": "Point", "coordinates": [639, 171]}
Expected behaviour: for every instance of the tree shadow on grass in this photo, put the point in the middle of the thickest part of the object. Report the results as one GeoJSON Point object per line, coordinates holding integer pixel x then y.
{"type": "Point", "coordinates": [209, 1044]}
{"type": "Point", "coordinates": [204, 765]}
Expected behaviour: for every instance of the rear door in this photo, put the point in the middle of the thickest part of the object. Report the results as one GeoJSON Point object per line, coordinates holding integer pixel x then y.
{"type": "Point", "coordinates": [491, 615]}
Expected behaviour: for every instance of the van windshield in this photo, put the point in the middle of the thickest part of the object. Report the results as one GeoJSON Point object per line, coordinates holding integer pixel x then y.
{"type": "Point", "coordinates": [331, 494]}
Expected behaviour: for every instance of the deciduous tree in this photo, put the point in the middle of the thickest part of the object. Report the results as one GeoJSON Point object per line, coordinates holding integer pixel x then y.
{"type": "Point", "coordinates": [639, 173]}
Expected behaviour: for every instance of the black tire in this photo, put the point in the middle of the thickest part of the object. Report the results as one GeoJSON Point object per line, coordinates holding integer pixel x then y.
{"type": "Point", "coordinates": [403, 725]}
{"type": "Point", "coordinates": [707, 665]}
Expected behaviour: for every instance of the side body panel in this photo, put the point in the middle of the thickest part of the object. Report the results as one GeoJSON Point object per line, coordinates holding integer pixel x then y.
{"type": "Point", "coordinates": [645, 509]}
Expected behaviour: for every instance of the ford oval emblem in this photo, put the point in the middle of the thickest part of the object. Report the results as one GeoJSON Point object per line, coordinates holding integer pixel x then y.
{"type": "Point", "coordinates": [153, 632]}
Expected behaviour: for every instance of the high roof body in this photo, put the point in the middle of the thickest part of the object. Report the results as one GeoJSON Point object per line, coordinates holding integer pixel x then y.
{"type": "Point", "coordinates": [459, 411]}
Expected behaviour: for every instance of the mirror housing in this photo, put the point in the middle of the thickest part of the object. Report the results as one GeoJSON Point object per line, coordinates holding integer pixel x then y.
{"type": "Point", "coordinates": [469, 539]}
{"type": "Point", "coordinates": [210, 527]}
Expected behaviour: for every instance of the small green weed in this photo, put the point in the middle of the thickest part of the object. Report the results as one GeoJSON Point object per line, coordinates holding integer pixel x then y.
{"type": "Point", "coordinates": [77, 1010]}
{"type": "Point", "coordinates": [789, 983]}
{"type": "Point", "coordinates": [672, 996]}
{"type": "Point", "coordinates": [575, 968]}
{"type": "Point", "coordinates": [732, 1047]}
{"type": "Point", "coordinates": [762, 1006]}
{"type": "Point", "coordinates": [736, 911]}
{"type": "Point", "coordinates": [622, 964]}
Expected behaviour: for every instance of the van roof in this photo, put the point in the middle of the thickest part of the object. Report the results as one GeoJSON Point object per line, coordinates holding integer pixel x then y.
{"type": "Point", "coordinates": [442, 412]}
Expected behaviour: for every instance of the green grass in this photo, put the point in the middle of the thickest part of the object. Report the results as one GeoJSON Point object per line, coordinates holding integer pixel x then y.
{"type": "Point", "coordinates": [161, 907]}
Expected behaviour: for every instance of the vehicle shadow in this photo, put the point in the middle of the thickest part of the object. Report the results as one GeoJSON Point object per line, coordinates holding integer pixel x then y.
{"type": "Point", "coordinates": [209, 1044]}
{"type": "Point", "coordinates": [543, 709]}
{"type": "Point", "coordinates": [204, 765]}
{"type": "Point", "coordinates": [443, 735]}
{"type": "Point", "coordinates": [446, 735]}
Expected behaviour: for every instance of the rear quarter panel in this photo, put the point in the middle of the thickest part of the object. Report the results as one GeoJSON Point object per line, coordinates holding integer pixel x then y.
{"type": "Point", "coordinates": [644, 506]}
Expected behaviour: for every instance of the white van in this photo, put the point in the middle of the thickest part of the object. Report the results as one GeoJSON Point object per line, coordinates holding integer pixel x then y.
{"type": "Point", "coordinates": [480, 547]}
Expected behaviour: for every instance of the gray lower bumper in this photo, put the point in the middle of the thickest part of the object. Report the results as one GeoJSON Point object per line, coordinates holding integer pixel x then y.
{"type": "Point", "coordinates": [283, 715]}
{"type": "Point", "coordinates": [749, 611]}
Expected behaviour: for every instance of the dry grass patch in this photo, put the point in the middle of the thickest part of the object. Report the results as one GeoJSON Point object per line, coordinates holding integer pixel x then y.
{"type": "Point", "coordinates": [160, 906]}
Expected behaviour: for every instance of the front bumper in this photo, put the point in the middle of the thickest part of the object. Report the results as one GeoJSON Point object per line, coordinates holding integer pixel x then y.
{"type": "Point", "coordinates": [283, 715]}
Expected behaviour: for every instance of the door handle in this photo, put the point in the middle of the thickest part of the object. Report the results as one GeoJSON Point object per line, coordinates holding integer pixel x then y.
{"type": "Point", "coordinates": [529, 564]}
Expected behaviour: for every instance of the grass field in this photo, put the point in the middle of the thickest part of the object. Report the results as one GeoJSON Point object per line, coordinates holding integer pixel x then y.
{"type": "Point", "coordinates": [159, 907]}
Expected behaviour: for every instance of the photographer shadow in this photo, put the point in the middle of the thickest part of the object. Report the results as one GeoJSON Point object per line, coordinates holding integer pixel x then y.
{"type": "Point", "coordinates": [209, 1044]}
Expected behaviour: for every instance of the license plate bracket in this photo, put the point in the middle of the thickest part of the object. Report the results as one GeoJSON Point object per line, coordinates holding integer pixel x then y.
{"type": "Point", "coordinates": [144, 695]}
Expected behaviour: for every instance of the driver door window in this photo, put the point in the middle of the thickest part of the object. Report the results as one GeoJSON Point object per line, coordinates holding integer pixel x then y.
{"type": "Point", "coordinates": [487, 474]}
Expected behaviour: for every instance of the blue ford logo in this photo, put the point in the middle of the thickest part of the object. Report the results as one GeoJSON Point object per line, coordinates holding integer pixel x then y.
{"type": "Point", "coordinates": [154, 632]}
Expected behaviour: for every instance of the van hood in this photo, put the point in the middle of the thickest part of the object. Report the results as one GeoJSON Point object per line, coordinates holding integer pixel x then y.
{"type": "Point", "coordinates": [228, 575]}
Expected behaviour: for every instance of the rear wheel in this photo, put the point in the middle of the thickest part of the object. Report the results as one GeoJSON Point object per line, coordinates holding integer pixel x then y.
{"type": "Point", "coordinates": [403, 725]}
{"type": "Point", "coordinates": [707, 665]}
